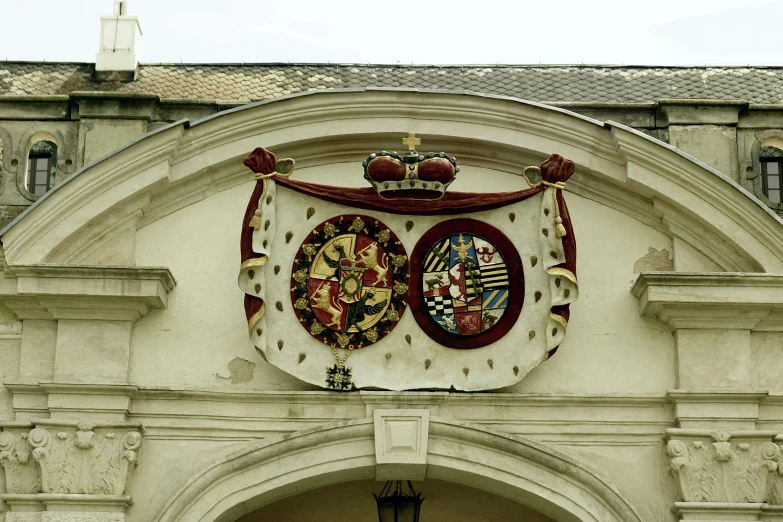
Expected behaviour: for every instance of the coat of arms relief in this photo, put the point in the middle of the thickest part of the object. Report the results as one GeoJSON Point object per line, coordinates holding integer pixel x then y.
{"type": "Point", "coordinates": [404, 285]}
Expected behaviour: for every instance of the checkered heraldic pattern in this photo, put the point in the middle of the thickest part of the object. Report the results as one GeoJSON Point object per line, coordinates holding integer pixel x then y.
{"type": "Point", "coordinates": [466, 283]}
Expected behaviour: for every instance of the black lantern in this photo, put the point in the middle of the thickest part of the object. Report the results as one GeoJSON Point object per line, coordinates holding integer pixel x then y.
{"type": "Point", "coordinates": [394, 505]}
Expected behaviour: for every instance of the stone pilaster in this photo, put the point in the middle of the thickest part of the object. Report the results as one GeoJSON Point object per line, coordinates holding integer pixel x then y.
{"type": "Point", "coordinates": [22, 474]}
{"type": "Point", "coordinates": [711, 317]}
{"type": "Point", "coordinates": [725, 469]}
{"type": "Point", "coordinates": [64, 472]}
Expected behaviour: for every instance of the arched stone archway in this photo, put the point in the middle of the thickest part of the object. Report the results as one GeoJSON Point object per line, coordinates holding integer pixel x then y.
{"type": "Point", "coordinates": [539, 476]}
{"type": "Point", "coordinates": [185, 162]}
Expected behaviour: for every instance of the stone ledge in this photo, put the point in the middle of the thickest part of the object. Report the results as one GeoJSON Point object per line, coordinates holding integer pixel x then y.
{"type": "Point", "coordinates": [86, 292]}
{"type": "Point", "coordinates": [66, 502]}
{"type": "Point", "coordinates": [723, 300]}
{"type": "Point", "coordinates": [84, 502]}
{"type": "Point", "coordinates": [772, 513]}
{"type": "Point", "coordinates": [718, 511]}
{"type": "Point", "coordinates": [38, 108]}
{"type": "Point", "coordinates": [702, 111]}
{"type": "Point", "coordinates": [728, 409]}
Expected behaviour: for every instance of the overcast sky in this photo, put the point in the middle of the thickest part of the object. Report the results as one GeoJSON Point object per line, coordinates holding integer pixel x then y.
{"type": "Point", "coordinates": [667, 32]}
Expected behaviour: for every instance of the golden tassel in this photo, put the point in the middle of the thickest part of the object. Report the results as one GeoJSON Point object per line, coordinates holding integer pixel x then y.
{"type": "Point", "coordinates": [560, 230]}
{"type": "Point", "coordinates": [255, 221]}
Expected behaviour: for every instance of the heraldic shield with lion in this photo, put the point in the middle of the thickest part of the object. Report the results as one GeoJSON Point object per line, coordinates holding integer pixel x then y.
{"type": "Point", "coordinates": [405, 285]}
{"type": "Point", "coordinates": [350, 281]}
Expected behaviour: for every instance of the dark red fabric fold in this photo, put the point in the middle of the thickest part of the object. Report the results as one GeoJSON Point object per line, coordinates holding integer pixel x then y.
{"type": "Point", "coordinates": [368, 199]}
{"type": "Point", "coordinates": [252, 303]}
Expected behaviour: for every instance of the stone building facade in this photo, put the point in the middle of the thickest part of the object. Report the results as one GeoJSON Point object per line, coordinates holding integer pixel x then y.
{"type": "Point", "coordinates": [726, 117]}
{"type": "Point", "coordinates": [130, 391]}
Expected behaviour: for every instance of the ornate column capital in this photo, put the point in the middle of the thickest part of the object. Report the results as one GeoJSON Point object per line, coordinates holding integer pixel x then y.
{"type": "Point", "coordinates": [85, 459]}
{"type": "Point", "coordinates": [722, 466]}
{"type": "Point", "coordinates": [22, 475]}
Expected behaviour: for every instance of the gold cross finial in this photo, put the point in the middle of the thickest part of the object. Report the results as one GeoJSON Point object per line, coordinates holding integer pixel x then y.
{"type": "Point", "coordinates": [411, 141]}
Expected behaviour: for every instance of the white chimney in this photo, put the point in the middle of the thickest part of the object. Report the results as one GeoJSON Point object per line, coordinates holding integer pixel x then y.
{"type": "Point", "coordinates": [120, 35]}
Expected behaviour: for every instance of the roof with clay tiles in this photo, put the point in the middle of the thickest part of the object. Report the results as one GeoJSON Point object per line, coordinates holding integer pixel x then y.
{"type": "Point", "coordinates": [554, 84]}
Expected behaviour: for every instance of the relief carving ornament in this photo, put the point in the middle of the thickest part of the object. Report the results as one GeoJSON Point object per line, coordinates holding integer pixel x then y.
{"type": "Point", "coordinates": [22, 475]}
{"type": "Point", "coordinates": [85, 459]}
{"type": "Point", "coordinates": [722, 466]}
{"type": "Point", "coordinates": [422, 288]}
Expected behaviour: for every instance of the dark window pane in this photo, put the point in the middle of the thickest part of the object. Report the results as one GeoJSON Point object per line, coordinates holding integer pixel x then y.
{"type": "Point", "coordinates": [41, 159]}
{"type": "Point", "coordinates": [31, 175]}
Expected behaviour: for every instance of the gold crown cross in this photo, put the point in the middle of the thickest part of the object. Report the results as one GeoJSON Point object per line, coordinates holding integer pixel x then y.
{"type": "Point", "coordinates": [411, 141]}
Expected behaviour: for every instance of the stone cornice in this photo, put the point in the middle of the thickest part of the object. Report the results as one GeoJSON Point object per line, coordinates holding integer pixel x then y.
{"type": "Point", "coordinates": [709, 300]}
{"type": "Point", "coordinates": [716, 395]}
{"type": "Point", "coordinates": [86, 426]}
{"type": "Point", "coordinates": [692, 112]}
{"type": "Point", "coordinates": [326, 397]}
{"type": "Point", "coordinates": [86, 292]}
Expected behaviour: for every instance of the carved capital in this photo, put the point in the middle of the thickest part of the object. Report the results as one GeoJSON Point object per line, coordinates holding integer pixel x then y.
{"type": "Point", "coordinates": [722, 466]}
{"type": "Point", "coordinates": [21, 472]}
{"type": "Point", "coordinates": [85, 459]}
{"type": "Point", "coordinates": [775, 489]}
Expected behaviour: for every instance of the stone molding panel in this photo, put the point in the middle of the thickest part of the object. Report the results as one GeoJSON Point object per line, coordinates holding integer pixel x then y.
{"type": "Point", "coordinates": [721, 466]}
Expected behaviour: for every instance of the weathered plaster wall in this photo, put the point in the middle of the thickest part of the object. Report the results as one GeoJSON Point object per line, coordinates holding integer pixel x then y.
{"type": "Point", "coordinates": [601, 359]}
{"type": "Point", "coordinates": [98, 137]}
{"type": "Point", "coordinates": [715, 145]}
{"type": "Point", "coordinates": [207, 329]}
{"type": "Point", "coordinates": [767, 361]}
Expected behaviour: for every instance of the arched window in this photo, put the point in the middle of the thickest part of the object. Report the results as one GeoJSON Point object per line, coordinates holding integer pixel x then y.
{"type": "Point", "coordinates": [771, 159]}
{"type": "Point", "coordinates": [41, 165]}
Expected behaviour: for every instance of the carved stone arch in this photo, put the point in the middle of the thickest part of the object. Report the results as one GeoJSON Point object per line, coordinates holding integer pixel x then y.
{"type": "Point", "coordinates": [616, 166]}
{"type": "Point", "coordinates": [28, 139]}
{"type": "Point", "coordinates": [768, 138]}
{"type": "Point", "coordinates": [539, 476]}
